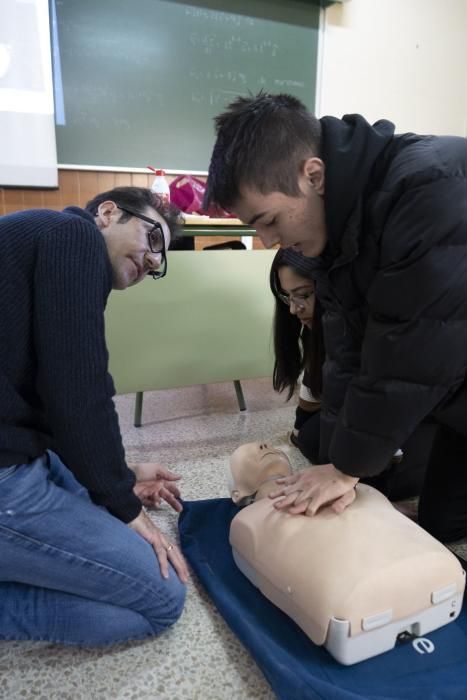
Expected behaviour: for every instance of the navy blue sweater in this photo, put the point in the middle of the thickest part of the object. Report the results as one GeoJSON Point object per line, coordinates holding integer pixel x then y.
{"type": "Point", "coordinates": [55, 389]}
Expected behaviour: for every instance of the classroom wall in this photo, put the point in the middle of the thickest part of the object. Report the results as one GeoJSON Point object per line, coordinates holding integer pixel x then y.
{"type": "Point", "coordinates": [400, 59]}
{"type": "Point", "coordinates": [74, 187]}
{"type": "Point", "coordinates": [78, 187]}
{"type": "Point", "coordinates": [405, 60]}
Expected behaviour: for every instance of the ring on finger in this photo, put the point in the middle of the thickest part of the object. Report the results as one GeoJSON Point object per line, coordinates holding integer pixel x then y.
{"type": "Point", "coordinates": [168, 547]}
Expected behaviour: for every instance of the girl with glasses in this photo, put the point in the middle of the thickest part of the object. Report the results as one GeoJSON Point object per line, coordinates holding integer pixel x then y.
{"type": "Point", "coordinates": [299, 356]}
{"type": "Point", "coordinates": [298, 344]}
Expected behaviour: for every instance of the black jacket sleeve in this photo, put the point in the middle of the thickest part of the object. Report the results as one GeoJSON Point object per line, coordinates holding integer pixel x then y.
{"type": "Point", "coordinates": [414, 350]}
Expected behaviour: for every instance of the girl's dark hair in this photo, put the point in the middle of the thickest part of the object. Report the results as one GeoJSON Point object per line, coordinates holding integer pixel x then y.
{"type": "Point", "coordinates": [296, 348]}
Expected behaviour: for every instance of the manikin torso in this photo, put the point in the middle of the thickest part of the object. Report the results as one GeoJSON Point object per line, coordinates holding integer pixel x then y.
{"type": "Point", "coordinates": [366, 565]}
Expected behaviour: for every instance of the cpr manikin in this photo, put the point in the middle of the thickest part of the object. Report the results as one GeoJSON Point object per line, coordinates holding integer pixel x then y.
{"type": "Point", "coordinates": [354, 581]}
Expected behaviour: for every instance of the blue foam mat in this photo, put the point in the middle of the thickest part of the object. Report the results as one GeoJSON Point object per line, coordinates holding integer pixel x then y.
{"type": "Point", "coordinates": [296, 668]}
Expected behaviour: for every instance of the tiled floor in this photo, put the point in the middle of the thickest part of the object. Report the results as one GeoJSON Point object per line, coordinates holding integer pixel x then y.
{"type": "Point", "coordinates": [192, 431]}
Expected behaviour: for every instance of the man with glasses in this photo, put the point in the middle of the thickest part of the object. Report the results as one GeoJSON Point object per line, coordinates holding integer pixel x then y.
{"type": "Point", "coordinates": [71, 570]}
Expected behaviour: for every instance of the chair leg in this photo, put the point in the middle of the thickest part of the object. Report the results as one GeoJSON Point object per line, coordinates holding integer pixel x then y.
{"type": "Point", "coordinates": [138, 409]}
{"type": "Point", "coordinates": [240, 397]}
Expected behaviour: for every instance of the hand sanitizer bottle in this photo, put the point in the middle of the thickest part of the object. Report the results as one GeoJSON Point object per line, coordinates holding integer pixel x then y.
{"type": "Point", "coordinates": [160, 186]}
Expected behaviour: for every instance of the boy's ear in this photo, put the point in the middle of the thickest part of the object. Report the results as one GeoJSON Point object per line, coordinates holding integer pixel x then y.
{"type": "Point", "coordinates": [313, 170]}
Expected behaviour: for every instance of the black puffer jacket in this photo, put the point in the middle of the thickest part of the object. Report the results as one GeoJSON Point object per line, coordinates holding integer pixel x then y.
{"type": "Point", "coordinates": [394, 289]}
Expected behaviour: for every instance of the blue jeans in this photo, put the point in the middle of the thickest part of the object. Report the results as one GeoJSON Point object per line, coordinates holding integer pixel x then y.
{"type": "Point", "coordinates": [69, 571]}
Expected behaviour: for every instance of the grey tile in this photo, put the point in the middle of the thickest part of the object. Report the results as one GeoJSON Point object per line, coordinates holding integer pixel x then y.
{"type": "Point", "coordinates": [192, 431]}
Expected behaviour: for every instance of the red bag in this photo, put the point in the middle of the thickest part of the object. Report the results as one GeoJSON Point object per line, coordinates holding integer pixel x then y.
{"type": "Point", "coordinates": [187, 193]}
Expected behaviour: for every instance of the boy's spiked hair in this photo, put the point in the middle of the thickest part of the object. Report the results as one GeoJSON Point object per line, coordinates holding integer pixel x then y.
{"type": "Point", "coordinates": [262, 143]}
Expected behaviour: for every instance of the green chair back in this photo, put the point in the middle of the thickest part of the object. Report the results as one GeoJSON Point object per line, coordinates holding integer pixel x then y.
{"type": "Point", "coordinates": [209, 320]}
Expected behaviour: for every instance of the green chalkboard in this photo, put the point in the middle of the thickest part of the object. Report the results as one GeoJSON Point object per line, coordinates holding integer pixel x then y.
{"type": "Point", "coordinates": [143, 79]}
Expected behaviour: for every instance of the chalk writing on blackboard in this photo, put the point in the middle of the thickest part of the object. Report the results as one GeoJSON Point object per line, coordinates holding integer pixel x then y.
{"type": "Point", "coordinates": [175, 64]}
{"type": "Point", "coordinates": [219, 17]}
{"type": "Point", "coordinates": [211, 43]}
{"type": "Point", "coordinates": [280, 82]}
{"type": "Point", "coordinates": [229, 76]}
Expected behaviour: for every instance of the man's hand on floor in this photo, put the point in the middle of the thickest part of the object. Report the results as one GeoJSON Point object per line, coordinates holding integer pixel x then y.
{"type": "Point", "coordinates": [154, 484]}
{"type": "Point", "coordinates": [165, 551]}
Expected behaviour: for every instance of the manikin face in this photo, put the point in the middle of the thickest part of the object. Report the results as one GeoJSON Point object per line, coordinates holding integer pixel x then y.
{"type": "Point", "coordinates": [301, 293]}
{"type": "Point", "coordinates": [127, 243]}
{"type": "Point", "coordinates": [292, 222]}
{"type": "Point", "coordinates": [253, 464]}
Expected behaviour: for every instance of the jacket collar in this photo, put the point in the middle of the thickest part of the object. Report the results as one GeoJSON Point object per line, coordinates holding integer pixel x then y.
{"type": "Point", "coordinates": [350, 148]}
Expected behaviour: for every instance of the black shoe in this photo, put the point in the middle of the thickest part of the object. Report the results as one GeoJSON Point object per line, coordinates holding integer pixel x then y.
{"type": "Point", "coordinates": [293, 439]}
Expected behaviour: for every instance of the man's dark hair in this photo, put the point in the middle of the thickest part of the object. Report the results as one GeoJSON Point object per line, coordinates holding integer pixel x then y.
{"type": "Point", "coordinates": [262, 142]}
{"type": "Point", "coordinates": [296, 348]}
{"type": "Point", "coordinates": [137, 199]}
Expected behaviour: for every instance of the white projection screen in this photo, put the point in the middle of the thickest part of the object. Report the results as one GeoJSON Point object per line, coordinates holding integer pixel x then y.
{"type": "Point", "coordinates": [28, 154]}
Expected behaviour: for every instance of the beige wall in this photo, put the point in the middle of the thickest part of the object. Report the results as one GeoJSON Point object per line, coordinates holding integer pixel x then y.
{"type": "Point", "coordinates": [78, 187]}
{"type": "Point", "coordinates": [405, 60]}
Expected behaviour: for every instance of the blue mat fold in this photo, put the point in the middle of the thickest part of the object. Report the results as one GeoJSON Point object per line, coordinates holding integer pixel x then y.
{"type": "Point", "coordinates": [296, 668]}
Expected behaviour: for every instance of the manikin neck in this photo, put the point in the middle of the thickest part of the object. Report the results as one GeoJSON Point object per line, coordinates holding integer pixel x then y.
{"type": "Point", "coordinates": [268, 486]}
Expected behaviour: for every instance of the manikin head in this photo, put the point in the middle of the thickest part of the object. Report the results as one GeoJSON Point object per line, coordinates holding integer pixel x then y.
{"type": "Point", "coordinates": [266, 169]}
{"type": "Point", "coordinates": [136, 227]}
{"type": "Point", "coordinates": [253, 470]}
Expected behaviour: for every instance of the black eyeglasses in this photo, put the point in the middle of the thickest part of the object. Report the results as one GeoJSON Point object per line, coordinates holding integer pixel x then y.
{"type": "Point", "coordinates": [299, 299]}
{"type": "Point", "coordinates": [156, 242]}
